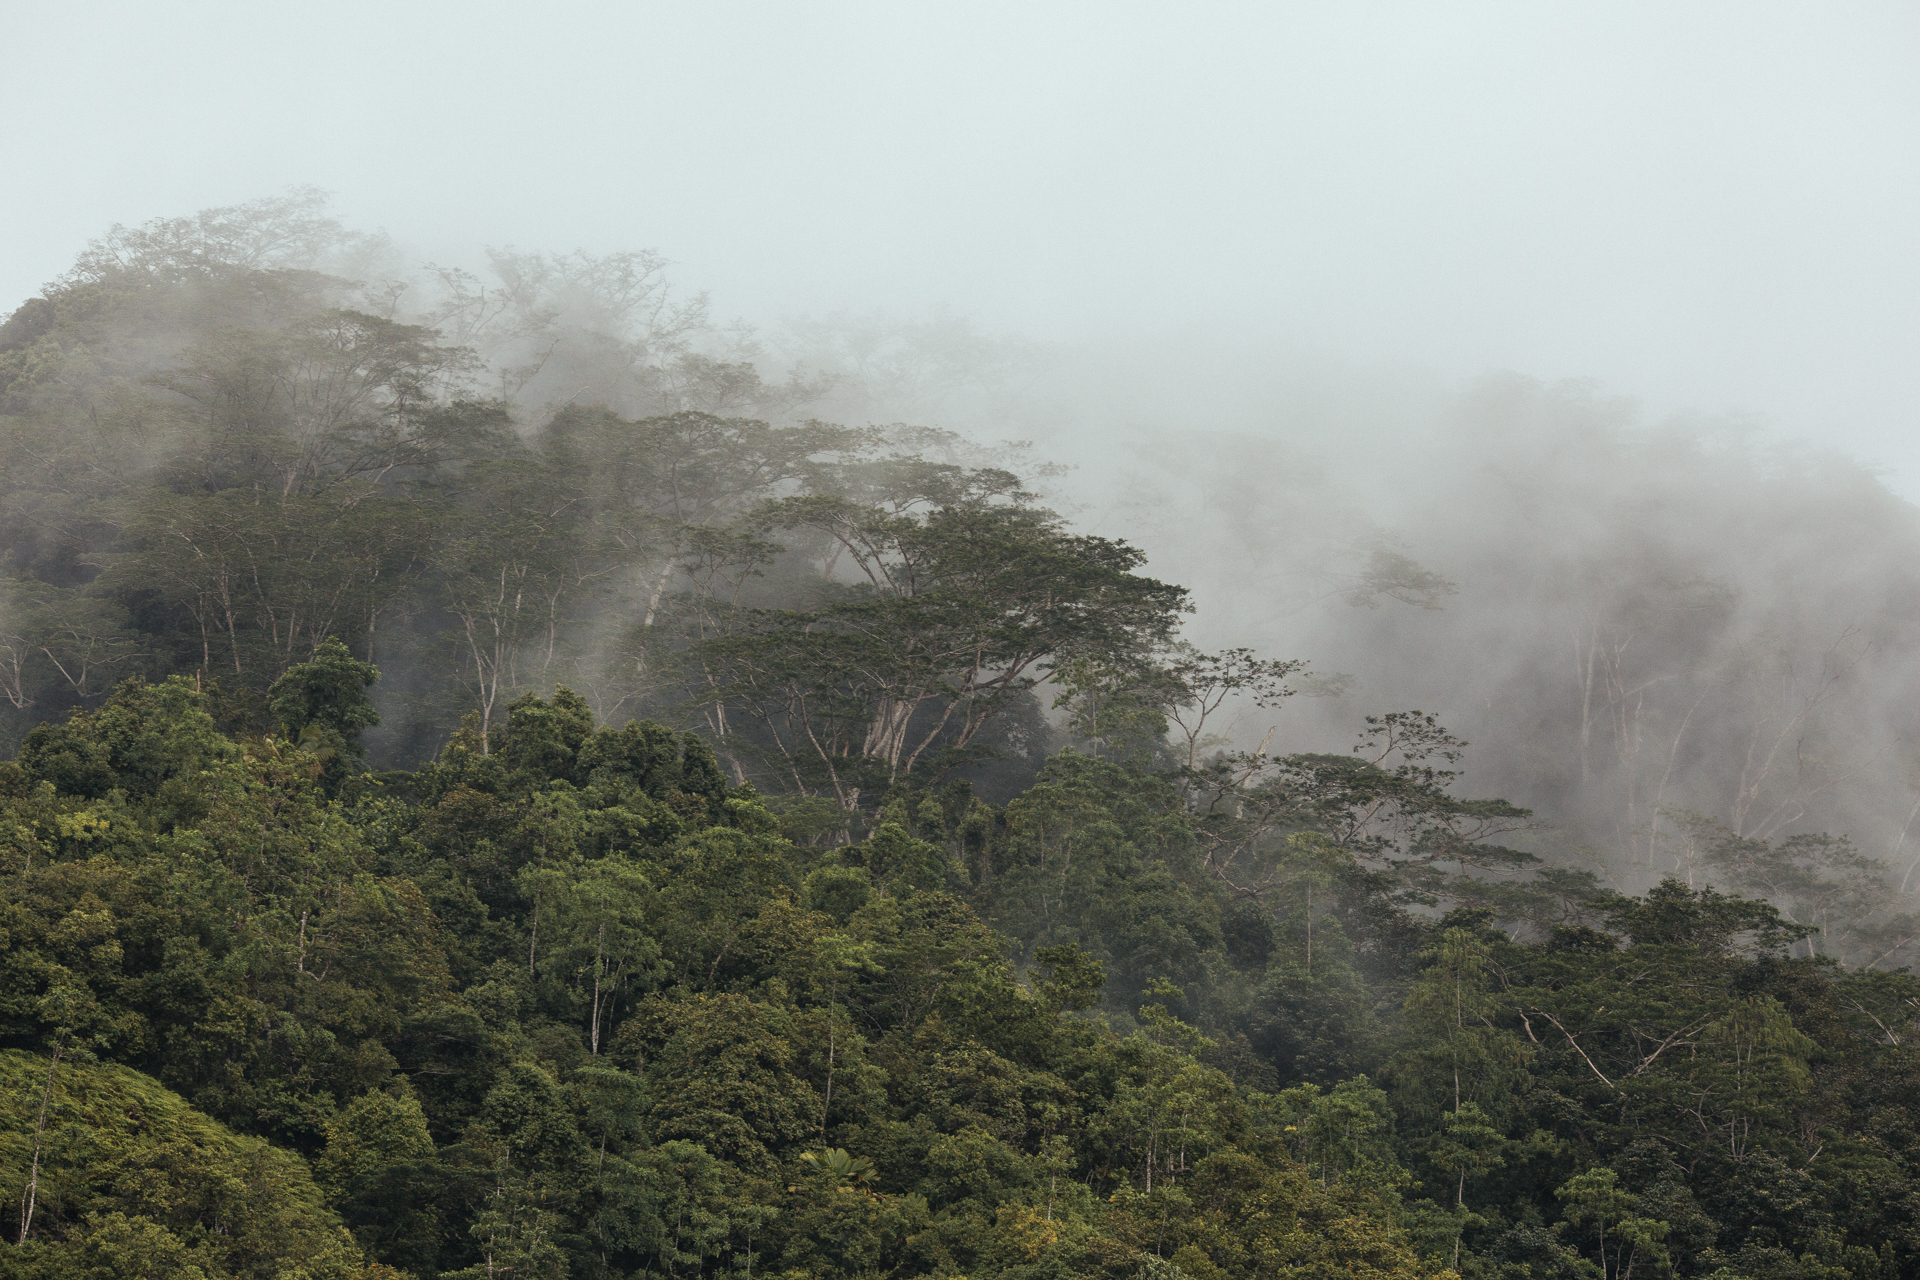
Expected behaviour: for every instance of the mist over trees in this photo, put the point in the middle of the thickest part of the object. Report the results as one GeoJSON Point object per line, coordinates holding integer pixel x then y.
{"type": "Point", "coordinates": [1683, 644]}
{"type": "Point", "coordinates": [511, 775]}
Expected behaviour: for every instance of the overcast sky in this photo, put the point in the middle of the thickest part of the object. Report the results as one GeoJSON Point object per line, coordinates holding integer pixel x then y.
{"type": "Point", "coordinates": [1713, 206]}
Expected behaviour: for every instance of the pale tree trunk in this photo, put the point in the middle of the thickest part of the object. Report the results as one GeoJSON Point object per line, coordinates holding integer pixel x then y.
{"type": "Point", "coordinates": [29, 1198]}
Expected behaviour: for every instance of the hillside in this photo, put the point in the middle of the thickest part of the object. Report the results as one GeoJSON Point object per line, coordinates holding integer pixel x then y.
{"type": "Point", "coordinates": [500, 785]}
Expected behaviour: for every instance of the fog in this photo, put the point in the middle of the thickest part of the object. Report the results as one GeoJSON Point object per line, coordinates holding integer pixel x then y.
{"type": "Point", "coordinates": [1704, 206]}
{"type": "Point", "coordinates": [1547, 369]}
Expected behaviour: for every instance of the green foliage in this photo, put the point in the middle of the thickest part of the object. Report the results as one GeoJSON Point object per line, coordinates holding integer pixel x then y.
{"type": "Point", "coordinates": [1074, 980]}
{"type": "Point", "coordinates": [375, 1132]}
{"type": "Point", "coordinates": [329, 692]}
{"type": "Point", "coordinates": [129, 1180]}
{"type": "Point", "coordinates": [146, 736]}
{"type": "Point", "coordinates": [857, 979]}
{"type": "Point", "coordinates": [574, 1005]}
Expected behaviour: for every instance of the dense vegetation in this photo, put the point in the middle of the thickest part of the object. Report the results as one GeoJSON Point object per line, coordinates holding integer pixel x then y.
{"type": "Point", "coordinates": [459, 833]}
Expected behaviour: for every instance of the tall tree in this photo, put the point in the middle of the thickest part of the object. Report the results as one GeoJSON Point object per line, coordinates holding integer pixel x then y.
{"type": "Point", "coordinates": [962, 611]}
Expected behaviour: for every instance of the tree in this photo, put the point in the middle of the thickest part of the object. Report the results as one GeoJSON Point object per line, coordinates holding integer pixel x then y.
{"type": "Point", "coordinates": [596, 943]}
{"type": "Point", "coordinates": [132, 1176]}
{"type": "Point", "coordinates": [1205, 682]}
{"type": "Point", "coordinates": [1846, 900]}
{"type": "Point", "coordinates": [1388, 803]}
{"type": "Point", "coordinates": [961, 614]}
{"type": "Point", "coordinates": [1623, 1240]}
{"type": "Point", "coordinates": [324, 702]}
{"type": "Point", "coordinates": [291, 231]}
{"type": "Point", "coordinates": [376, 1131]}
{"type": "Point", "coordinates": [56, 640]}
{"type": "Point", "coordinates": [518, 556]}
{"type": "Point", "coordinates": [1073, 979]}
{"type": "Point", "coordinates": [328, 405]}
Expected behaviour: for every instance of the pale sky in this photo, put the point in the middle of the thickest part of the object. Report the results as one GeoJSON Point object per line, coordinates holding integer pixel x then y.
{"type": "Point", "coordinates": [1707, 206]}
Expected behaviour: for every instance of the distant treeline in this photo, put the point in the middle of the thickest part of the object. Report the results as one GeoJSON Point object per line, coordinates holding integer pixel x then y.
{"type": "Point", "coordinates": [211, 468]}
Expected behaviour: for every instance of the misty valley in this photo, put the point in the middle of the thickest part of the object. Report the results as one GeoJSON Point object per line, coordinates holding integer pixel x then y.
{"type": "Point", "coordinates": [507, 775]}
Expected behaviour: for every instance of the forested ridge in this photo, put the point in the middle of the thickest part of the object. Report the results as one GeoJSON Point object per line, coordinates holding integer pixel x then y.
{"type": "Point", "coordinates": [499, 787]}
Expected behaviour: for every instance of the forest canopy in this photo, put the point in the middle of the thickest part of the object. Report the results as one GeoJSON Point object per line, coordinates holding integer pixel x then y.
{"type": "Point", "coordinates": [498, 785]}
